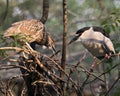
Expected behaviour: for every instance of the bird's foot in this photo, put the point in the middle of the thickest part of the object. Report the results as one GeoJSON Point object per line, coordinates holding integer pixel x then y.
{"type": "Point", "coordinates": [92, 67]}
{"type": "Point", "coordinates": [107, 56]}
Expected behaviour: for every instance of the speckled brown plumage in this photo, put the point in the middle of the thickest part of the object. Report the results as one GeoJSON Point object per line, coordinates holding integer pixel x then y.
{"type": "Point", "coordinates": [30, 31]}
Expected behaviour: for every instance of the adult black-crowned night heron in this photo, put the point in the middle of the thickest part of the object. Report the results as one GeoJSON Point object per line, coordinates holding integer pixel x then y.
{"type": "Point", "coordinates": [31, 31]}
{"type": "Point", "coordinates": [96, 41]}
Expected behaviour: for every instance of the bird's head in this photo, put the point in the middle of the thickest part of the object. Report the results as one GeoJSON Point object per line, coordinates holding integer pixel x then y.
{"type": "Point", "coordinates": [78, 34]}
{"type": "Point", "coordinates": [50, 43]}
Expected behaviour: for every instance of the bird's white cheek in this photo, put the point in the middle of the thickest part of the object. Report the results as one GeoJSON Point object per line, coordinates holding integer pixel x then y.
{"type": "Point", "coordinates": [79, 40]}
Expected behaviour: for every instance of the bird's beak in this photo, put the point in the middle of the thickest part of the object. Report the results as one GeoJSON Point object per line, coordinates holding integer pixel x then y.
{"type": "Point", "coordinates": [74, 39]}
{"type": "Point", "coordinates": [54, 50]}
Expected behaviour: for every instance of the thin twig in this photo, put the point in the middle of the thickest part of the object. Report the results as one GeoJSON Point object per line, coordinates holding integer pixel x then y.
{"type": "Point", "coordinates": [75, 67]}
{"type": "Point", "coordinates": [12, 66]}
{"type": "Point", "coordinates": [42, 82]}
{"type": "Point", "coordinates": [112, 86]}
{"type": "Point", "coordinates": [59, 67]}
{"type": "Point", "coordinates": [107, 71]}
{"type": "Point", "coordinates": [63, 60]}
{"type": "Point", "coordinates": [13, 48]}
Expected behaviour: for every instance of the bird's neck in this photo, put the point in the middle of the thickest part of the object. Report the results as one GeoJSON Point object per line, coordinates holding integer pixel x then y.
{"type": "Point", "coordinates": [44, 40]}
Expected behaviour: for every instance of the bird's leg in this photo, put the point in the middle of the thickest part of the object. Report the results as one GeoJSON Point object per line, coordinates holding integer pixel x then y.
{"type": "Point", "coordinates": [93, 65]}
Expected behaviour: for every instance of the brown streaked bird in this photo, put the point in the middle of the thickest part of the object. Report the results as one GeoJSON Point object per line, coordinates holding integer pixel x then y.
{"type": "Point", "coordinates": [96, 41]}
{"type": "Point", "coordinates": [31, 31]}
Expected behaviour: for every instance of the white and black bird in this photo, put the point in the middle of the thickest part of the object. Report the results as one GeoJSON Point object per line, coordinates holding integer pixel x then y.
{"type": "Point", "coordinates": [96, 41]}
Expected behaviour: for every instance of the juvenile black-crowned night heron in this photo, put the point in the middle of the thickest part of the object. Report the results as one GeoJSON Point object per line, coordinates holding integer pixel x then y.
{"type": "Point", "coordinates": [31, 31]}
{"type": "Point", "coordinates": [96, 41]}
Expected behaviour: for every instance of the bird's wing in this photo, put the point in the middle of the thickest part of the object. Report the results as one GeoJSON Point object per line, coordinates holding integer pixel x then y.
{"type": "Point", "coordinates": [109, 45]}
{"type": "Point", "coordinates": [106, 42]}
{"type": "Point", "coordinates": [101, 30]}
{"type": "Point", "coordinates": [26, 28]}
